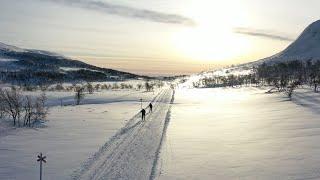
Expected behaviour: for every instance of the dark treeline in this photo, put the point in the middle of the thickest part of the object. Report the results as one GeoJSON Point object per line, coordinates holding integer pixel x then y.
{"type": "Point", "coordinates": [42, 77]}
{"type": "Point", "coordinates": [283, 77]}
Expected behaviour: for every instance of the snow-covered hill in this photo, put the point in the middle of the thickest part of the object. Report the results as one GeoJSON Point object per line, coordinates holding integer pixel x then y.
{"type": "Point", "coordinates": [6, 47]}
{"type": "Point", "coordinates": [24, 66]}
{"type": "Point", "coordinates": [305, 47]}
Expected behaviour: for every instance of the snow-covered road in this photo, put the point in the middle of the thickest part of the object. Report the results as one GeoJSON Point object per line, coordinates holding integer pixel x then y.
{"type": "Point", "coordinates": [132, 153]}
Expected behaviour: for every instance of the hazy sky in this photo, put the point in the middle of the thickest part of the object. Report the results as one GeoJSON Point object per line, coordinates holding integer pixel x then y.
{"type": "Point", "coordinates": [153, 36]}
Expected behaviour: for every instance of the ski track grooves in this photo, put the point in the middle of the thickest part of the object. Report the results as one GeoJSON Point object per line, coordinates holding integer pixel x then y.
{"type": "Point", "coordinates": [133, 152]}
{"type": "Point", "coordinates": [165, 127]}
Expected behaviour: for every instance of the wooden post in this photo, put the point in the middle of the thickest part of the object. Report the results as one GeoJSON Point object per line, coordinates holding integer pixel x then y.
{"type": "Point", "coordinates": [40, 170]}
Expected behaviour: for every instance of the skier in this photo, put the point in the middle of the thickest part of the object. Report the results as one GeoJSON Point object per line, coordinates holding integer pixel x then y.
{"type": "Point", "coordinates": [150, 106]}
{"type": "Point", "coordinates": [143, 114]}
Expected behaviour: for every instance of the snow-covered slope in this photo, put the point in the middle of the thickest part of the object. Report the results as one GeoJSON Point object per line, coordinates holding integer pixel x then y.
{"type": "Point", "coordinates": [14, 49]}
{"type": "Point", "coordinates": [25, 66]}
{"type": "Point", "coordinates": [306, 47]}
{"type": "Point", "coordinates": [241, 133]}
{"type": "Point", "coordinates": [5, 47]}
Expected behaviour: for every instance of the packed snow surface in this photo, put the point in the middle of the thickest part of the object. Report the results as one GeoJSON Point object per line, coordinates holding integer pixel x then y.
{"type": "Point", "coordinates": [71, 135]}
{"type": "Point", "coordinates": [221, 133]}
{"type": "Point", "coordinates": [133, 152]}
{"type": "Point", "coordinates": [230, 133]}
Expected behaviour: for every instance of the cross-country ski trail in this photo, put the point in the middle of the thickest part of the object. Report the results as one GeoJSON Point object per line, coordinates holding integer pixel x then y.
{"type": "Point", "coordinates": [132, 153]}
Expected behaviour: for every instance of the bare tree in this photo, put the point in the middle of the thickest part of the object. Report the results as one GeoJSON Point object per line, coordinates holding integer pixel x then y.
{"type": "Point", "coordinates": [115, 86]}
{"type": "Point", "coordinates": [291, 88]}
{"type": "Point", "coordinates": [160, 84]}
{"type": "Point", "coordinates": [148, 86]}
{"type": "Point", "coordinates": [44, 87]}
{"type": "Point", "coordinates": [12, 104]}
{"type": "Point", "coordinates": [123, 86]}
{"type": "Point", "coordinates": [97, 87]}
{"type": "Point", "coordinates": [2, 108]}
{"type": "Point", "coordinates": [29, 111]}
{"type": "Point", "coordinates": [90, 88]}
{"type": "Point", "coordinates": [139, 86]}
{"type": "Point", "coordinates": [79, 94]}
{"type": "Point", "coordinates": [41, 110]}
{"type": "Point", "coordinates": [59, 87]}
{"type": "Point", "coordinates": [15, 105]}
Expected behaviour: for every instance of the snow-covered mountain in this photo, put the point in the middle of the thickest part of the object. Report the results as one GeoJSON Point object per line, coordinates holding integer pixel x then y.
{"type": "Point", "coordinates": [305, 47]}
{"type": "Point", "coordinates": [5, 47]}
{"type": "Point", "coordinates": [18, 65]}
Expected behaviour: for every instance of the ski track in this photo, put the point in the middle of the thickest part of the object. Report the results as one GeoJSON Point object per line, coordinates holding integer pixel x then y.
{"type": "Point", "coordinates": [154, 169]}
{"type": "Point", "coordinates": [133, 152]}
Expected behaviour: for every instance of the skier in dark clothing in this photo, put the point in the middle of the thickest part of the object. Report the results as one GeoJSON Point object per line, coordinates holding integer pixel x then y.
{"type": "Point", "coordinates": [150, 106]}
{"type": "Point", "coordinates": [143, 114]}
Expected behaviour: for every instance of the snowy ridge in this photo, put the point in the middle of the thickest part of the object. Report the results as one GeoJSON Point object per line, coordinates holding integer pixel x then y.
{"type": "Point", "coordinates": [6, 47]}
{"type": "Point", "coordinates": [47, 53]}
{"type": "Point", "coordinates": [22, 62]}
{"type": "Point", "coordinates": [305, 47]}
{"type": "Point", "coordinates": [132, 152]}
{"type": "Point", "coordinates": [10, 48]}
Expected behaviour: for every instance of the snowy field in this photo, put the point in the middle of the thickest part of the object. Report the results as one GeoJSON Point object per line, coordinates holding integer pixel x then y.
{"type": "Point", "coordinates": [222, 133]}
{"type": "Point", "coordinates": [73, 133]}
{"type": "Point", "coordinates": [242, 134]}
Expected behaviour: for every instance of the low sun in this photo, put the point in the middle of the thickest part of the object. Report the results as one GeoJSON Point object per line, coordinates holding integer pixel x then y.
{"type": "Point", "coordinates": [209, 45]}
{"type": "Point", "coordinates": [212, 39]}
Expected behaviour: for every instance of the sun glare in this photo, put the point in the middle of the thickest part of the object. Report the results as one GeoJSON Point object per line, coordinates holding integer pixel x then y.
{"type": "Point", "coordinates": [212, 39]}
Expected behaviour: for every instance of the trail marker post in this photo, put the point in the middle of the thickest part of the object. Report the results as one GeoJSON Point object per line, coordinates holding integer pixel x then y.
{"type": "Point", "coordinates": [41, 159]}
